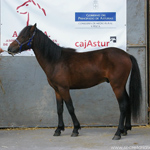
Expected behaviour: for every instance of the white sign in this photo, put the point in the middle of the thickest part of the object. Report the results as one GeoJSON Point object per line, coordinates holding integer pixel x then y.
{"type": "Point", "coordinates": [84, 25]}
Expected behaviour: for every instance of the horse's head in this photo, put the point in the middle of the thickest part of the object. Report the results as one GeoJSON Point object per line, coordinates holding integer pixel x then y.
{"type": "Point", "coordinates": [23, 41]}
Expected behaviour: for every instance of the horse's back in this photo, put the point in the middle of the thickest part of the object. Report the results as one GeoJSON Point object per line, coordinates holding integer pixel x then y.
{"type": "Point", "coordinates": [106, 57]}
{"type": "Point", "coordinates": [111, 52]}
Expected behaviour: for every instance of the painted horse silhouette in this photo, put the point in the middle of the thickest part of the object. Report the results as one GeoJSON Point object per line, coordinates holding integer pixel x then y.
{"type": "Point", "coordinates": [67, 69]}
{"type": "Point", "coordinates": [24, 9]}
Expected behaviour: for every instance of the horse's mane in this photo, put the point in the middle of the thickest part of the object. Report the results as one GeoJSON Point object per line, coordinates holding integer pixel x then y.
{"type": "Point", "coordinates": [50, 50]}
{"type": "Point", "coordinates": [47, 47]}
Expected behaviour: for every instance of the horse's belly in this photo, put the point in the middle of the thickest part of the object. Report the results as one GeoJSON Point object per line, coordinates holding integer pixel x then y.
{"type": "Point", "coordinates": [86, 83]}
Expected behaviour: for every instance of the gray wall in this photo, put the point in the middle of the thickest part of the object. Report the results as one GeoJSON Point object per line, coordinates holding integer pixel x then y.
{"type": "Point", "coordinates": [30, 102]}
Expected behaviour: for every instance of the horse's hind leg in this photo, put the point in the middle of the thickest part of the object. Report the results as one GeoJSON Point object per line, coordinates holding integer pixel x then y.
{"type": "Point", "coordinates": [60, 115]}
{"type": "Point", "coordinates": [128, 116]}
{"type": "Point", "coordinates": [122, 100]}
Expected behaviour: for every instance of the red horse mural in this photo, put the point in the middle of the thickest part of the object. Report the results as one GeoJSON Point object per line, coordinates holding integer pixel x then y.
{"type": "Point", "coordinates": [26, 12]}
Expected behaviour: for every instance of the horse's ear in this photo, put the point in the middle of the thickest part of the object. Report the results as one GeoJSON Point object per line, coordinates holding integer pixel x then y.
{"type": "Point", "coordinates": [33, 27]}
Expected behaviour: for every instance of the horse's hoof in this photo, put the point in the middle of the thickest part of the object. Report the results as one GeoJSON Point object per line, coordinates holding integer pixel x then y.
{"type": "Point", "coordinates": [116, 137]}
{"type": "Point", "coordinates": [74, 134]}
{"type": "Point", "coordinates": [57, 134]}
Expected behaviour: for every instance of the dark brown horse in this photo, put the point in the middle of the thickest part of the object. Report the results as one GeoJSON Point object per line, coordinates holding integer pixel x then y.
{"type": "Point", "coordinates": [66, 69]}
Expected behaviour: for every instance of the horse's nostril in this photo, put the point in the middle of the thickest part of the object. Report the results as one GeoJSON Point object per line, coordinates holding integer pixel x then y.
{"type": "Point", "coordinates": [9, 52]}
{"type": "Point", "coordinates": [9, 49]}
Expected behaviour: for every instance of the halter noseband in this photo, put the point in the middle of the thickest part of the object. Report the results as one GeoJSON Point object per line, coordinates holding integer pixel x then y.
{"type": "Point", "coordinates": [29, 42]}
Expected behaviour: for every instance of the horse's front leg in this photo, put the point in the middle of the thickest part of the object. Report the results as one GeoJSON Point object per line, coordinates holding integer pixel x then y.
{"type": "Point", "coordinates": [60, 115]}
{"type": "Point", "coordinates": [68, 101]}
{"type": "Point", "coordinates": [74, 118]}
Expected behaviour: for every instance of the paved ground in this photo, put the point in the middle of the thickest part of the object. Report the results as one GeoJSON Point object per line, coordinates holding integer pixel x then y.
{"type": "Point", "coordinates": [89, 139]}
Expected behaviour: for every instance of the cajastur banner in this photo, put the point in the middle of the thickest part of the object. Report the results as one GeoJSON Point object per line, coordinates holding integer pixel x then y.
{"type": "Point", "coordinates": [84, 25]}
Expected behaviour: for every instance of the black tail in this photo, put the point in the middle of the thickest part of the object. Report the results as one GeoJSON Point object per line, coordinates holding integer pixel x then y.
{"type": "Point", "coordinates": [135, 89]}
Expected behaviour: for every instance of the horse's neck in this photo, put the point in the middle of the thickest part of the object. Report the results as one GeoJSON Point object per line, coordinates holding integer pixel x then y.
{"type": "Point", "coordinates": [42, 61]}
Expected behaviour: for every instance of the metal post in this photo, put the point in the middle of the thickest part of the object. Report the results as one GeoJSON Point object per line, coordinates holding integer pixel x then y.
{"type": "Point", "coordinates": [148, 54]}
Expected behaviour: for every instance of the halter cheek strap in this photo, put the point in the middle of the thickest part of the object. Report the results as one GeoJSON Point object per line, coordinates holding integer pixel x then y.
{"type": "Point", "coordinates": [30, 40]}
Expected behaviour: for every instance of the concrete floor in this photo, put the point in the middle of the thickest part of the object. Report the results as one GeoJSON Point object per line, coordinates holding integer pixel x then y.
{"type": "Point", "coordinates": [89, 139]}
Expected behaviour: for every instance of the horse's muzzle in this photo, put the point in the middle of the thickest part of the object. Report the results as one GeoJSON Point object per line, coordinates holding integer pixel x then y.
{"type": "Point", "coordinates": [11, 51]}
